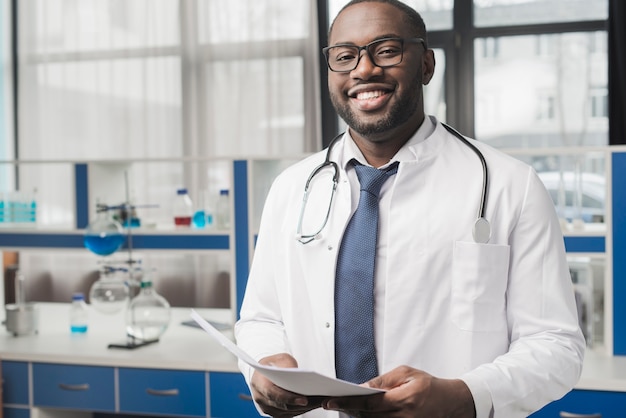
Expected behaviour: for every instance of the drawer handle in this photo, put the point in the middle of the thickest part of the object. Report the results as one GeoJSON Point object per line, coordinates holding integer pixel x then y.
{"type": "Point", "coordinates": [564, 414]}
{"type": "Point", "coordinates": [166, 392]}
{"type": "Point", "coordinates": [64, 386]}
{"type": "Point", "coordinates": [245, 397]}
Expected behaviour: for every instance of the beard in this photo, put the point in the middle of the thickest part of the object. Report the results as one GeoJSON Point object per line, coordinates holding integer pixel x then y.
{"type": "Point", "coordinates": [400, 112]}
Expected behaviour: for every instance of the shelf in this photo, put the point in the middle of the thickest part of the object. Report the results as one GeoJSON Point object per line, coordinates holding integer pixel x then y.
{"type": "Point", "coordinates": [585, 244]}
{"type": "Point", "coordinates": [183, 240]}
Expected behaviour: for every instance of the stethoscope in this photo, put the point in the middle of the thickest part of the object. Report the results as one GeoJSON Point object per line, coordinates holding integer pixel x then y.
{"type": "Point", "coordinates": [481, 232]}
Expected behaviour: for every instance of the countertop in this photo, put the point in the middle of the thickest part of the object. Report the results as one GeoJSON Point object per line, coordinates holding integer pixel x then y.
{"type": "Point", "coordinates": [603, 372]}
{"type": "Point", "coordinates": [183, 347]}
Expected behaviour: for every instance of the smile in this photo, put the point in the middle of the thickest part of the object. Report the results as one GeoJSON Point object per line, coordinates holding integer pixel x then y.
{"type": "Point", "coordinates": [367, 95]}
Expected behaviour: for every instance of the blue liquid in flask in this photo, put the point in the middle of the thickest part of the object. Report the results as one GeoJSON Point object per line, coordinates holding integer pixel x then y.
{"type": "Point", "coordinates": [199, 219]}
{"type": "Point", "coordinates": [103, 244]}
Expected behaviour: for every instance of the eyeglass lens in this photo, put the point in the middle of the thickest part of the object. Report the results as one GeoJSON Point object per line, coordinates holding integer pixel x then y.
{"type": "Point", "coordinates": [383, 53]}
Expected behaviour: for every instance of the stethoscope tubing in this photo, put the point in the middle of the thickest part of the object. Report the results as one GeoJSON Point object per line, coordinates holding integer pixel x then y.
{"type": "Point", "coordinates": [481, 157]}
{"type": "Point", "coordinates": [482, 228]}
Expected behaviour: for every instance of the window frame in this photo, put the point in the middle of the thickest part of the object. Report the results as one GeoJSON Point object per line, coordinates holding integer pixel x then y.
{"type": "Point", "coordinates": [458, 46]}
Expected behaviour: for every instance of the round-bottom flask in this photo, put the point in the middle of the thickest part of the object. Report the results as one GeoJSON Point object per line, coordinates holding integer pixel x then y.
{"type": "Point", "coordinates": [148, 314]}
{"type": "Point", "coordinates": [109, 294]}
{"type": "Point", "coordinates": [104, 236]}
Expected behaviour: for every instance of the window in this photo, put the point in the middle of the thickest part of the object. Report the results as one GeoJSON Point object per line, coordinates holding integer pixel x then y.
{"type": "Point", "coordinates": [523, 74]}
{"type": "Point", "coordinates": [437, 13]}
{"type": "Point", "coordinates": [524, 12]}
{"type": "Point", "coordinates": [545, 100]}
{"type": "Point", "coordinates": [156, 78]}
{"type": "Point", "coordinates": [536, 79]}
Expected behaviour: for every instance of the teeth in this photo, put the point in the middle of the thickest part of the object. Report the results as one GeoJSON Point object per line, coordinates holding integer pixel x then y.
{"type": "Point", "coordinates": [369, 95]}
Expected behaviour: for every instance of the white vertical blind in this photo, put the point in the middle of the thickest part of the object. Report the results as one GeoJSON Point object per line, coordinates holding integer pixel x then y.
{"type": "Point", "coordinates": [163, 78]}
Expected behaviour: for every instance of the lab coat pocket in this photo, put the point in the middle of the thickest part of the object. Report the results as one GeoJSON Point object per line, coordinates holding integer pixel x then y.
{"type": "Point", "coordinates": [479, 281]}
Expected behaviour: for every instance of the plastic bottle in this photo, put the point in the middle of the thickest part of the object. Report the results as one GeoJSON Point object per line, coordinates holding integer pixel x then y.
{"type": "Point", "coordinates": [148, 314]}
{"type": "Point", "coordinates": [183, 208]}
{"type": "Point", "coordinates": [79, 314]}
{"type": "Point", "coordinates": [222, 210]}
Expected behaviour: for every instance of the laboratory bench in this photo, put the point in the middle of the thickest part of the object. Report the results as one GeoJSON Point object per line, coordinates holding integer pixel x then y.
{"type": "Point", "coordinates": [55, 373]}
{"type": "Point", "coordinates": [601, 389]}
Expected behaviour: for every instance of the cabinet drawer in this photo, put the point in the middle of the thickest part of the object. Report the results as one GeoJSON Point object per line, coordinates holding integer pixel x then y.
{"type": "Point", "coordinates": [15, 382]}
{"type": "Point", "coordinates": [75, 387]}
{"type": "Point", "coordinates": [16, 413]}
{"type": "Point", "coordinates": [230, 396]}
{"type": "Point", "coordinates": [167, 392]}
{"type": "Point", "coordinates": [609, 404]}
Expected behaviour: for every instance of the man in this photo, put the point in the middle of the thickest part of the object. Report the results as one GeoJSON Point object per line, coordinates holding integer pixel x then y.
{"type": "Point", "coordinates": [463, 326]}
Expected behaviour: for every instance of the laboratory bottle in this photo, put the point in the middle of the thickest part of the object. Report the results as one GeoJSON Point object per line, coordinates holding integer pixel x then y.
{"type": "Point", "coordinates": [222, 210]}
{"type": "Point", "coordinates": [183, 208]}
{"type": "Point", "coordinates": [148, 314]}
{"type": "Point", "coordinates": [79, 314]}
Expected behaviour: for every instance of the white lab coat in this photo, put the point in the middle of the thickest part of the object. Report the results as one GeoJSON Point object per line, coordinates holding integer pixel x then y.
{"type": "Point", "coordinates": [501, 315]}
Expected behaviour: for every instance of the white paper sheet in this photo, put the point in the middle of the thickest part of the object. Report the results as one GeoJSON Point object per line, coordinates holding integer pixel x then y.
{"type": "Point", "coordinates": [304, 382]}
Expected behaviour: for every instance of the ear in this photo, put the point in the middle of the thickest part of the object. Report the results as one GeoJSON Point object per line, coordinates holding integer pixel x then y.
{"type": "Point", "coordinates": [428, 66]}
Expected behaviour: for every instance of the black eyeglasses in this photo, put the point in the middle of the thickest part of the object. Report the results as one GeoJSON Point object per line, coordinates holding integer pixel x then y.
{"type": "Point", "coordinates": [385, 52]}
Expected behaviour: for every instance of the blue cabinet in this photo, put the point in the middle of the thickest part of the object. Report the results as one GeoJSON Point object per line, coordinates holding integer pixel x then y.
{"type": "Point", "coordinates": [16, 412]}
{"type": "Point", "coordinates": [609, 404]}
{"type": "Point", "coordinates": [162, 392]}
{"type": "Point", "coordinates": [15, 389]}
{"type": "Point", "coordinates": [15, 382]}
{"type": "Point", "coordinates": [230, 397]}
{"type": "Point", "coordinates": [90, 388]}
{"type": "Point", "coordinates": [170, 392]}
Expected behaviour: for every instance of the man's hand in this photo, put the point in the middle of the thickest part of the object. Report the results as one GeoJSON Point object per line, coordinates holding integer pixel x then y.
{"type": "Point", "coordinates": [276, 401]}
{"type": "Point", "coordinates": [410, 393]}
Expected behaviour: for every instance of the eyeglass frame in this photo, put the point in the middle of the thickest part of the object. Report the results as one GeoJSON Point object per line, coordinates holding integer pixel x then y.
{"type": "Point", "coordinates": [366, 49]}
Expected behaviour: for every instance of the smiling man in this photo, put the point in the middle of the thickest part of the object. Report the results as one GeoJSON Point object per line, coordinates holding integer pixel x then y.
{"type": "Point", "coordinates": [399, 286]}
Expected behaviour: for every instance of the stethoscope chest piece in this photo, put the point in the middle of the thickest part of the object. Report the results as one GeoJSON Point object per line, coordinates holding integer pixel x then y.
{"type": "Point", "coordinates": [481, 231]}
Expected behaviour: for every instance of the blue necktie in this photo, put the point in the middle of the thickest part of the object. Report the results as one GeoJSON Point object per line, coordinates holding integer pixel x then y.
{"type": "Point", "coordinates": [355, 352]}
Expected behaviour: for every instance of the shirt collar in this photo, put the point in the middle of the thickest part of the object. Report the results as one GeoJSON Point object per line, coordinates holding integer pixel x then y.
{"type": "Point", "coordinates": [406, 153]}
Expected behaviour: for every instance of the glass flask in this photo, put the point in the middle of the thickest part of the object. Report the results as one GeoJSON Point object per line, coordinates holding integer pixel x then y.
{"type": "Point", "coordinates": [109, 294]}
{"type": "Point", "coordinates": [104, 235]}
{"type": "Point", "coordinates": [148, 314]}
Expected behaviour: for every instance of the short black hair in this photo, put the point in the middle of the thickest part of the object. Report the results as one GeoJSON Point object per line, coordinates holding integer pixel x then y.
{"type": "Point", "coordinates": [412, 17]}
